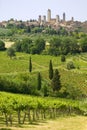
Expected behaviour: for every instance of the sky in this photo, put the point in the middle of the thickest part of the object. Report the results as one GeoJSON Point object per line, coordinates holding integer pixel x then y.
{"type": "Point", "coordinates": [31, 9]}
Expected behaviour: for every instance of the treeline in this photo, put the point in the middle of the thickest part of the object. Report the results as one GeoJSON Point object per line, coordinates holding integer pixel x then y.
{"type": "Point", "coordinates": [61, 43]}
{"type": "Point", "coordinates": [28, 46]}
{"type": "Point", "coordinates": [67, 45]}
{"type": "Point", "coordinates": [22, 28]}
{"type": "Point", "coordinates": [57, 46]}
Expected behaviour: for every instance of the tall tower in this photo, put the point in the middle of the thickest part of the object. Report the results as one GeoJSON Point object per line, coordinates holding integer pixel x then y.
{"type": "Point", "coordinates": [57, 19]}
{"type": "Point", "coordinates": [44, 19]}
{"type": "Point", "coordinates": [48, 15]}
{"type": "Point", "coordinates": [64, 17]}
{"type": "Point", "coordinates": [39, 19]}
{"type": "Point", "coordinates": [72, 19]}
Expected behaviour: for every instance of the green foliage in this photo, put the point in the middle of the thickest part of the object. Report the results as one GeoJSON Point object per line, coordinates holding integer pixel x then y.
{"type": "Point", "coordinates": [50, 70]}
{"type": "Point", "coordinates": [26, 45]}
{"type": "Point", "coordinates": [30, 65]}
{"type": "Point", "coordinates": [45, 91]}
{"type": "Point", "coordinates": [63, 45]}
{"type": "Point", "coordinates": [50, 31]}
{"type": "Point", "coordinates": [70, 65]}
{"type": "Point", "coordinates": [71, 92]}
{"type": "Point", "coordinates": [63, 58]}
{"type": "Point", "coordinates": [5, 33]}
{"type": "Point", "coordinates": [23, 45]}
{"type": "Point", "coordinates": [40, 45]}
{"type": "Point", "coordinates": [36, 30]}
{"type": "Point", "coordinates": [39, 84]}
{"type": "Point", "coordinates": [11, 52]}
{"type": "Point", "coordinates": [56, 85]}
{"type": "Point", "coordinates": [17, 46]}
{"type": "Point", "coordinates": [16, 106]}
{"type": "Point", "coordinates": [62, 31]}
{"type": "Point", "coordinates": [84, 44]}
{"type": "Point", "coordinates": [2, 45]}
{"type": "Point", "coordinates": [74, 92]}
{"type": "Point", "coordinates": [10, 69]}
{"type": "Point", "coordinates": [21, 83]}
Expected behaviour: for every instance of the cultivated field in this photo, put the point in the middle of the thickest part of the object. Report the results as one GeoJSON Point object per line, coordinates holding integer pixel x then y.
{"type": "Point", "coordinates": [41, 113]}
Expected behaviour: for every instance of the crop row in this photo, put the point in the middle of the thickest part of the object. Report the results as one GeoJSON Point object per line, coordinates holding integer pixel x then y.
{"type": "Point", "coordinates": [18, 108]}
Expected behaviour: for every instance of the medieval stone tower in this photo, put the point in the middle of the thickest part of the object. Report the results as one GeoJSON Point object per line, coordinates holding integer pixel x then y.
{"type": "Point", "coordinates": [39, 19]}
{"type": "Point", "coordinates": [57, 19]}
{"type": "Point", "coordinates": [64, 17]}
{"type": "Point", "coordinates": [48, 15]}
{"type": "Point", "coordinates": [44, 19]}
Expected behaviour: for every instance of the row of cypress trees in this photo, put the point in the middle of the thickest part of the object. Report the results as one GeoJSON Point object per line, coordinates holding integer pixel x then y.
{"type": "Point", "coordinates": [38, 77]}
{"type": "Point", "coordinates": [54, 77]}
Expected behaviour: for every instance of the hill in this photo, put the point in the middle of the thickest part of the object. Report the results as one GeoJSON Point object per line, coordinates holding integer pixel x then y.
{"type": "Point", "coordinates": [73, 81]}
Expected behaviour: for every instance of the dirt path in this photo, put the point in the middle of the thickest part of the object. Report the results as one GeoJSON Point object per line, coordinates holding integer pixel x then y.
{"type": "Point", "coordinates": [8, 44]}
{"type": "Point", "coordinates": [67, 123]}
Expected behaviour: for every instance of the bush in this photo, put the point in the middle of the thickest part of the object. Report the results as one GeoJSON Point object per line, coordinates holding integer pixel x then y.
{"type": "Point", "coordinates": [71, 92]}
{"type": "Point", "coordinates": [70, 65]}
{"type": "Point", "coordinates": [63, 59]}
{"type": "Point", "coordinates": [11, 52]}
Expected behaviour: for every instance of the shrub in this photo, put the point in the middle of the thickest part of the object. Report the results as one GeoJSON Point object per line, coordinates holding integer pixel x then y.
{"type": "Point", "coordinates": [11, 52]}
{"type": "Point", "coordinates": [63, 59]}
{"type": "Point", "coordinates": [72, 92]}
{"type": "Point", "coordinates": [70, 65]}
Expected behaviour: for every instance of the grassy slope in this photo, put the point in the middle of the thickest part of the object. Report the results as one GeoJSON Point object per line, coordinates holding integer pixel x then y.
{"type": "Point", "coordinates": [40, 62]}
{"type": "Point", "coordinates": [76, 77]}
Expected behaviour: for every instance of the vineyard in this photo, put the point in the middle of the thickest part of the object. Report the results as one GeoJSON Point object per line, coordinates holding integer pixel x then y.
{"type": "Point", "coordinates": [18, 109]}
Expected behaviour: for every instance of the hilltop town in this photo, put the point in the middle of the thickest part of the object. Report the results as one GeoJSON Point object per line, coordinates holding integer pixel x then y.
{"type": "Point", "coordinates": [55, 23]}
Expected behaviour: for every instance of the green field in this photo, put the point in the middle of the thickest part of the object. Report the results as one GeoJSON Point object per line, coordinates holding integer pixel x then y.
{"type": "Point", "coordinates": [20, 64]}
{"type": "Point", "coordinates": [41, 62]}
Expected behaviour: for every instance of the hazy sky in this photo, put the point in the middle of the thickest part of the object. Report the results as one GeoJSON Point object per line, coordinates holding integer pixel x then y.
{"type": "Point", "coordinates": [30, 9]}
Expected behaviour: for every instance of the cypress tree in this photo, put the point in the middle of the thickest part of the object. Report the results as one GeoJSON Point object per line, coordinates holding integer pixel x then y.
{"type": "Point", "coordinates": [56, 85]}
{"type": "Point", "coordinates": [39, 81]}
{"type": "Point", "coordinates": [50, 70]}
{"type": "Point", "coordinates": [30, 65]}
